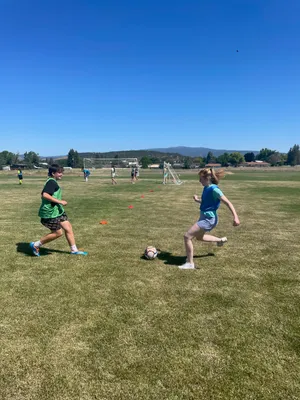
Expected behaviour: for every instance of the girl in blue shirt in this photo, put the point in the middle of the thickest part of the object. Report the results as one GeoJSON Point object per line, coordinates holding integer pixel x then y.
{"type": "Point", "coordinates": [210, 201]}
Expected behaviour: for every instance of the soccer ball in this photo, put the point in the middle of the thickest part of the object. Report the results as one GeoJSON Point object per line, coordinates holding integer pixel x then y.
{"type": "Point", "coordinates": [150, 253]}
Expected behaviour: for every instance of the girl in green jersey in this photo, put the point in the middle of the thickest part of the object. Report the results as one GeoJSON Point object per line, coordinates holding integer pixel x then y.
{"type": "Point", "coordinates": [53, 215]}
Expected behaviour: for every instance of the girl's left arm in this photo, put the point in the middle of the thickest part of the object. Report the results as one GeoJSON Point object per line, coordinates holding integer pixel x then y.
{"type": "Point", "coordinates": [236, 220]}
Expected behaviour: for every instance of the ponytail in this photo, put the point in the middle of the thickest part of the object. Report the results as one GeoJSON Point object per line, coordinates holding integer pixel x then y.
{"type": "Point", "coordinates": [213, 175]}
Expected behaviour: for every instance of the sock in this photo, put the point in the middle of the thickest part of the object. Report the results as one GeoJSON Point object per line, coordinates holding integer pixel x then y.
{"type": "Point", "coordinates": [74, 248]}
{"type": "Point", "coordinates": [38, 244]}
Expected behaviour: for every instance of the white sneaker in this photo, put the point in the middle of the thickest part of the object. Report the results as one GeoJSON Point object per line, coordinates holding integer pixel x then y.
{"type": "Point", "coordinates": [223, 240]}
{"type": "Point", "coordinates": [187, 266]}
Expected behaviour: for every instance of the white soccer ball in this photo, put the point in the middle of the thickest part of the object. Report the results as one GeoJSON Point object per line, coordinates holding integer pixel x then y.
{"type": "Point", "coordinates": [150, 253]}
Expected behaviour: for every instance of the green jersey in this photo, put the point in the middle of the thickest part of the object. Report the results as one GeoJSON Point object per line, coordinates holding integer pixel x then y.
{"type": "Point", "coordinates": [49, 209]}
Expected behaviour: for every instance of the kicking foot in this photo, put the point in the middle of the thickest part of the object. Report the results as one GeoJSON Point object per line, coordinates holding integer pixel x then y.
{"type": "Point", "coordinates": [222, 241]}
{"type": "Point", "coordinates": [187, 266]}
{"type": "Point", "coordinates": [79, 253]}
{"type": "Point", "coordinates": [35, 250]}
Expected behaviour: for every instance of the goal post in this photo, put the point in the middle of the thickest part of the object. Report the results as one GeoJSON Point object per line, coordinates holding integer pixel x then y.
{"type": "Point", "coordinates": [97, 163]}
{"type": "Point", "coordinates": [169, 175]}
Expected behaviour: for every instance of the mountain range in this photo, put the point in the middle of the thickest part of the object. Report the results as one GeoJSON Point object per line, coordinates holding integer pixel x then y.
{"type": "Point", "coordinates": [199, 151]}
{"type": "Point", "coordinates": [175, 151]}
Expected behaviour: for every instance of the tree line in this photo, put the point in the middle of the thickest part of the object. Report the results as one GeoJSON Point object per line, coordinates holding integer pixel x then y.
{"type": "Point", "coordinates": [75, 160]}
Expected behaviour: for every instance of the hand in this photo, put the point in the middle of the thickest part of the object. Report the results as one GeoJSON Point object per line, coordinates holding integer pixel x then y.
{"type": "Point", "coordinates": [196, 198]}
{"type": "Point", "coordinates": [236, 221]}
{"type": "Point", "coordinates": [63, 202]}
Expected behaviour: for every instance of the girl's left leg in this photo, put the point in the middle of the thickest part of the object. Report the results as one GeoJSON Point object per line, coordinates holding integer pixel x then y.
{"type": "Point", "coordinates": [67, 227]}
{"type": "Point", "coordinates": [193, 232]}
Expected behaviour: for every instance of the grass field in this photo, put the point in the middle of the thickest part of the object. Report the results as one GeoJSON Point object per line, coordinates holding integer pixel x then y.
{"type": "Point", "coordinates": [115, 326]}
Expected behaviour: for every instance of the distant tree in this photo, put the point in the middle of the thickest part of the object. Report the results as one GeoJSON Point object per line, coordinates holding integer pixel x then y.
{"type": "Point", "coordinates": [31, 158]}
{"type": "Point", "coordinates": [236, 158]}
{"type": "Point", "coordinates": [283, 158]}
{"type": "Point", "coordinates": [154, 160]}
{"type": "Point", "coordinates": [274, 158]}
{"type": "Point", "coordinates": [70, 161]}
{"type": "Point", "coordinates": [63, 162]}
{"type": "Point", "coordinates": [293, 155]}
{"type": "Point", "coordinates": [249, 157]}
{"type": "Point", "coordinates": [223, 159]}
{"type": "Point", "coordinates": [8, 158]}
{"type": "Point", "coordinates": [145, 161]}
{"type": "Point", "coordinates": [2, 159]}
{"type": "Point", "coordinates": [187, 162]}
{"type": "Point", "coordinates": [264, 154]}
{"type": "Point", "coordinates": [199, 161]}
{"type": "Point", "coordinates": [74, 160]}
{"type": "Point", "coordinates": [210, 158]}
{"type": "Point", "coordinates": [78, 162]}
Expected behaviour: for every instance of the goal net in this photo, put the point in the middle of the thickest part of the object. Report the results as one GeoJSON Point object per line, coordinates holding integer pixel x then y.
{"type": "Point", "coordinates": [170, 176]}
{"type": "Point", "coordinates": [95, 163]}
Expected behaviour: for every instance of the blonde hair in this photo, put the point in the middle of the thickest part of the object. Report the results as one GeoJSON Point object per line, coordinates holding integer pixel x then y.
{"type": "Point", "coordinates": [210, 173]}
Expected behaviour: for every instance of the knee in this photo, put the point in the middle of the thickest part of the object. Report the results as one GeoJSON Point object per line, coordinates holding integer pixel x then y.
{"type": "Point", "coordinates": [186, 236]}
{"type": "Point", "coordinates": [59, 233]}
{"type": "Point", "coordinates": [67, 227]}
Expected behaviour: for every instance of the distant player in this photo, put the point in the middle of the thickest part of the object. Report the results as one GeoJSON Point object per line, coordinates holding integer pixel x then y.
{"type": "Point", "coordinates": [86, 174]}
{"type": "Point", "coordinates": [113, 175]}
{"type": "Point", "coordinates": [20, 176]}
{"type": "Point", "coordinates": [136, 173]}
{"type": "Point", "coordinates": [166, 174]}
{"type": "Point", "coordinates": [209, 204]}
{"type": "Point", "coordinates": [53, 215]}
{"type": "Point", "coordinates": [133, 175]}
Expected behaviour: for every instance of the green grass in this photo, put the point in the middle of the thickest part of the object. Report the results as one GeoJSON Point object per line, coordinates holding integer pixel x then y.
{"type": "Point", "coordinates": [115, 326]}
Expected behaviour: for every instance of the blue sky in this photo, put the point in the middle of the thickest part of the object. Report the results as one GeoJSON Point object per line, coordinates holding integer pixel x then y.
{"type": "Point", "coordinates": [131, 74]}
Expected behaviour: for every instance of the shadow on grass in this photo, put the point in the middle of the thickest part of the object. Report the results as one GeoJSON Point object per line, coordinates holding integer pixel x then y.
{"type": "Point", "coordinates": [177, 260]}
{"type": "Point", "coordinates": [23, 247]}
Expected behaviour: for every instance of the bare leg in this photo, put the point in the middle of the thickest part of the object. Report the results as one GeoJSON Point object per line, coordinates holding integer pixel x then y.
{"type": "Point", "coordinates": [193, 232]}
{"type": "Point", "coordinates": [51, 236]}
{"type": "Point", "coordinates": [210, 238]}
{"type": "Point", "coordinates": [67, 227]}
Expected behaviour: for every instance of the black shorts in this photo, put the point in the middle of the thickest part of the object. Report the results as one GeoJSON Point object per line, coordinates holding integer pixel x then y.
{"type": "Point", "coordinates": [54, 223]}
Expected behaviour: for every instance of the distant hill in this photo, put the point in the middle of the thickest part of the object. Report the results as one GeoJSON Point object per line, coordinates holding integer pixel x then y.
{"type": "Point", "coordinates": [130, 154]}
{"type": "Point", "coordinates": [161, 153]}
{"type": "Point", "coordinates": [199, 151]}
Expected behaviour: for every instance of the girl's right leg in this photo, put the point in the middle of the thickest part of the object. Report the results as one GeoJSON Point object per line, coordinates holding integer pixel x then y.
{"type": "Point", "coordinates": [51, 236]}
{"type": "Point", "coordinates": [35, 246]}
{"type": "Point", "coordinates": [214, 239]}
{"type": "Point", "coordinates": [207, 224]}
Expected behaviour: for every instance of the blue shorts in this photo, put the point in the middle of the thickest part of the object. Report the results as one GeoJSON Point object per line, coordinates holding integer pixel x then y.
{"type": "Point", "coordinates": [207, 223]}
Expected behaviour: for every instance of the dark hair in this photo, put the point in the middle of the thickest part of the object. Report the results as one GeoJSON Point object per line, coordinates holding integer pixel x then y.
{"type": "Point", "coordinates": [54, 168]}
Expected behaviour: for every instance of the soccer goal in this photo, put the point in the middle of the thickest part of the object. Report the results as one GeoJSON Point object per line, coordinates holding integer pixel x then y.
{"type": "Point", "coordinates": [170, 176]}
{"type": "Point", "coordinates": [96, 163]}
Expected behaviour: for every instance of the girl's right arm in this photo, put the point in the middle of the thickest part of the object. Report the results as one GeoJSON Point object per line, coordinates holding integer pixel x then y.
{"type": "Point", "coordinates": [236, 221]}
{"type": "Point", "coordinates": [48, 197]}
{"type": "Point", "coordinates": [197, 198]}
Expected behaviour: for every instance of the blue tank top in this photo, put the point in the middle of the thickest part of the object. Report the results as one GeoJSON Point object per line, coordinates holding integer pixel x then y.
{"type": "Point", "coordinates": [209, 202]}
